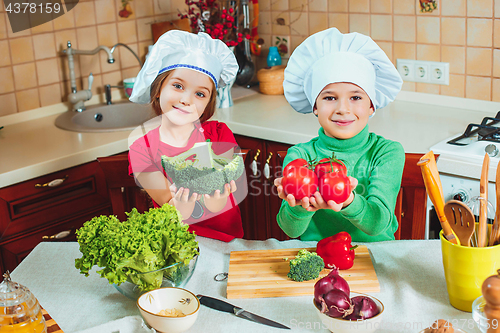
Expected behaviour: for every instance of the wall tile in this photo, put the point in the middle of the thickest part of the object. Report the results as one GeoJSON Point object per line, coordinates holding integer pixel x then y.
{"type": "Point", "coordinates": [7, 81]}
{"type": "Point", "coordinates": [50, 95]}
{"type": "Point", "coordinates": [479, 32]}
{"type": "Point", "coordinates": [144, 29]}
{"type": "Point", "coordinates": [339, 21]}
{"type": "Point", "coordinates": [127, 32]}
{"type": "Point", "coordinates": [163, 7]}
{"type": "Point", "coordinates": [8, 103]}
{"type": "Point", "coordinates": [496, 33]}
{"type": "Point", "coordinates": [428, 30]}
{"type": "Point", "coordinates": [84, 14]}
{"type": "Point", "coordinates": [381, 27]}
{"type": "Point", "coordinates": [47, 71]}
{"type": "Point", "coordinates": [298, 23]}
{"type": "Point", "coordinates": [453, 7]}
{"type": "Point", "coordinates": [296, 5]}
{"type": "Point", "coordinates": [42, 28]}
{"type": "Point", "coordinates": [105, 11]}
{"type": "Point", "coordinates": [409, 86]}
{"type": "Point", "coordinates": [479, 61]}
{"type": "Point", "coordinates": [497, 8]}
{"type": "Point", "coordinates": [404, 7]}
{"type": "Point", "coordinates": [3, 25]}
{"type": "Point", "coordinates": [359, 6]}
{"type": "Point", "coordinates": [27, 99]}
{"type": "Point", "coordinates": [62, 37]}
{"type": "Point", "coordinates": [4, 53]}
{"type": "Point", "coordinates": [143, 50]}
{"type": "Point", "coordinates": [381, 6]}
{"type": "Point", "coordinates": [131, 9]}
{"type": "Point", "coordinates": [478, 87]}
{"type": "Point", "coordinates": [453, 30]}
{"type": "Point", "coordinates": [428, 52]}
{"type": "Point", "coordinates": [480, 8]}
{"type": "Point", "coordinates": [496, 63]}
{"type": "Point", "coordinates": [278, 5]}
{"type": "Point", "coordinates": [404, 28]}
{"type": "Point", "coordinates": [405, 51]}
{"type": "Point", "coordinates": [456, 87]}
{"type": "Point", "coordinates": [44, 46]}
{"type": "Point", "coordinates": [455, 55]}
{"type": "Point", "coordinates": [317, 22]}
{"type": "Point", "coordinates": [265, 24]}
{"type": "Point", "coordinates": [127, 59]}
{"type": "Point", "coordinates": [318, 6]}
{"type": "Point", "coordinates": [23, 33]}
{"type": "Point", "coordinates": [87, 38]}
{"type": "Point", "coordinates": [145, 8]}
{"type": "Point", "coordinates": [427, 88]}
{"type": "Point", "coordinates": [387, 48]}
{"type": "Point", "coordinates": [495, 91]}
{"type": "Point", "coordinates": [296, 41]}
{"type": "Point", "coordinates": [65, 21]}
{"type": "Point", "coordinates": [338, 6]}
{"type": "Point", "coordinates": [25, 76]}
{"type": "Point", "coordinates": [113, 78]}
{"type": "Point", "coordinates": [21, 50]}
{"type": "Point", "coordinates": [359, 23]}
{"type": "Point", "coordinates": [107, 34]}
{"type": "Point", "coordinates": [130, 72]}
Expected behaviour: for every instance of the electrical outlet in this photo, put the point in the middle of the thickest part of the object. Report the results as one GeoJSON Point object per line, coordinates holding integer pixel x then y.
{"type": "Point", "coordinates": [421, 71]}
{"type": "Point", "coordinates": [405, 69]}
{"type": "Point", "coordinates": [440, 73]}
{"type": "Point", "coordinates": [424, 71]}
{"type": "Point", "coordinates": [283, 45]}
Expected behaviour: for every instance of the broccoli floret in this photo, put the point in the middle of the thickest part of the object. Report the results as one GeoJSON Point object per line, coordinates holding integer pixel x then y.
{"type": "Point", "coordinates": [305, 266]}
{"type": "Point", "coordinates": [203, 180]}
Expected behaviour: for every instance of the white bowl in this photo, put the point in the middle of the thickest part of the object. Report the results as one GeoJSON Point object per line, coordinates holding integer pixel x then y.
{"type": "Point", "coordinates": [339, 325]}
{"type": "Point", "coordinates": [152, 302]}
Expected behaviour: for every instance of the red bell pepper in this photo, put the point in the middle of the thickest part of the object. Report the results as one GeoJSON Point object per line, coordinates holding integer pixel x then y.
{"type": "Point", "coordinates": [337, 251]}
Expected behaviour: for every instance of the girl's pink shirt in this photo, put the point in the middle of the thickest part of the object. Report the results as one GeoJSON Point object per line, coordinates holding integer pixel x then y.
{"type": "Point", "coordinates": [145, 156]}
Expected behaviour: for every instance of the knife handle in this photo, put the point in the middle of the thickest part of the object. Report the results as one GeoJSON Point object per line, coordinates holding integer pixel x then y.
{"type": "Point", "coordinates": [216, 304]}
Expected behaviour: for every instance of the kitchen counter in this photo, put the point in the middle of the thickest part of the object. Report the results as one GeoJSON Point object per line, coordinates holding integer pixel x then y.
{"type": "Point", "coordinates": [31, 145]}
{"type": "Point", "coordinates": [410, 273]}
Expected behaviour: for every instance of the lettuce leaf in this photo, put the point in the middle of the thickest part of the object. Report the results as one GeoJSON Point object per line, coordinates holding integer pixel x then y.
{"type": "Point", "coordinates": [142, 243]}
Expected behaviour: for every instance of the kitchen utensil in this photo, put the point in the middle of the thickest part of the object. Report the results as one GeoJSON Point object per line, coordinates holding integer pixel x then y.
{"type": "Point", "coordinates": [247, 69]}
{"type": "Point", "coordinates": [461, 220]}
{"type": "Point", "coordinates": [495, 228]}
{"type": "Point", "coordinates": [263, 273]}
{"type": "Point", "coordinates": [221, 305]}
{"type": "Point", "coordinates": [483, 208]}
{"type": "Point", "coordinates": [432, 183]}
{"type": "Point", "coordinates": [255, 41]}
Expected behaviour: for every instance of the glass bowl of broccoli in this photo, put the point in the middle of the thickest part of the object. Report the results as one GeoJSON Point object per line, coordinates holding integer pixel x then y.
{"type": "Point", "coordinates": [175, 275]}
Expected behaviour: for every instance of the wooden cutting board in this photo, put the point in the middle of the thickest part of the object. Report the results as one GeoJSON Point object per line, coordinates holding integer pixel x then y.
{"type": "Point", "coordinates": [52, 326]}
{"type": "Point", "coordinates": [263, 273]}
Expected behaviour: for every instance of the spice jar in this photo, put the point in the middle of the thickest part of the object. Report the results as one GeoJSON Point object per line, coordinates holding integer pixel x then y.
{"type": "Point", "coordinates": [20, 311]}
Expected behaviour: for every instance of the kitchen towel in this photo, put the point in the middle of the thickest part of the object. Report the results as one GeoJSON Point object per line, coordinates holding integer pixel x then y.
{"type": "Point", "coordinates": [129, 324]}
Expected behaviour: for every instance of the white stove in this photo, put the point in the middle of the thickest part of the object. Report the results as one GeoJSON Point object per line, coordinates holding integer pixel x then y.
{"type": "Point", "coordinates": [460, 162]}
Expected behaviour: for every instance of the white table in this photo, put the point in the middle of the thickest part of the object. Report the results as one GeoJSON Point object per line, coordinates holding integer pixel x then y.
{"type": "Point", "coordinates": [413, 289]}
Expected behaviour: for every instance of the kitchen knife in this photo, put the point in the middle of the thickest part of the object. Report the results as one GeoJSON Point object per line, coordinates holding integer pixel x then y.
{"type": "Point", "coordinates": [483, 203]}
{"type": "Point", "coordinates": [220, 305]}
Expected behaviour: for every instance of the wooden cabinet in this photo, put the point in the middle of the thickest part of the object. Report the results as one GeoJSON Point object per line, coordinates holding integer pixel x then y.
{"type": "Point", "coordinates": [49, 208]}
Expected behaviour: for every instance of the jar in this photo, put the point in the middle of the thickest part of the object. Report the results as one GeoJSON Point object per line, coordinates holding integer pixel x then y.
{"type": "Point", "coordinates": [273, 58]}
{"type": "Point", "coordinates": [20, 311]}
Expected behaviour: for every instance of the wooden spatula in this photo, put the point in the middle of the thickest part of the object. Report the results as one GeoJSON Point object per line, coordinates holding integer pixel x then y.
{"type": "Point", "coordinates": [495, 228]}
{"type": "Point", "coordinates": [461, 220]}
{"type": "Point", "coordinates": [482, 231]}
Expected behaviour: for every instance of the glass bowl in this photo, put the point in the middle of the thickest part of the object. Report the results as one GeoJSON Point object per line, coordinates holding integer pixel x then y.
{"type": "Point", "coordinates": [478, 314]}
{"type": "Point", "coordinates": [176, 275]}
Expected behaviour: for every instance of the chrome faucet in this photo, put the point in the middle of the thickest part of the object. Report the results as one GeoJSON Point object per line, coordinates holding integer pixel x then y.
{"type": "Point", "coordinates": [78, 97]}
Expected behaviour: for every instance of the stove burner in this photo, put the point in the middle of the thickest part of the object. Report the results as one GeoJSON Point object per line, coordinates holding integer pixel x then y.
{"type": "Point", "coordinates": [484, 131]}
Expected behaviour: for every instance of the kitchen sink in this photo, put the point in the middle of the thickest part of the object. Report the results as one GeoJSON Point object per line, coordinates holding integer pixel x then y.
{"type": "Point", "coordinates": [106, 118]}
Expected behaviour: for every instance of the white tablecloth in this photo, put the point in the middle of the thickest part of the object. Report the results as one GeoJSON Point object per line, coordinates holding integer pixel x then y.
{"type": "Point", "coordinates": [413, 289]}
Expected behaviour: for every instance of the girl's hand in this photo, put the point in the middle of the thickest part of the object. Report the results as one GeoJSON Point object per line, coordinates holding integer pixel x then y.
{"type": "Point", "coordinates": [305, 202]}
{"type": "Point", "coordinates": [217, 201]}
{"type": "Point", "coordinates": [183, 201]}
{"type": "Point", "coordinates": [318, 202]}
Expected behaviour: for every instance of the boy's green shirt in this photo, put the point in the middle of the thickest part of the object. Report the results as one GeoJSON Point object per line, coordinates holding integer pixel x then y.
{"type": "Point", "coordinates": [377, 164]}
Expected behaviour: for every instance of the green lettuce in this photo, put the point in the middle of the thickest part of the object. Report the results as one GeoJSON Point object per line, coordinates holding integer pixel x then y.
{"type": "Point", "coordinates": [140, 244]}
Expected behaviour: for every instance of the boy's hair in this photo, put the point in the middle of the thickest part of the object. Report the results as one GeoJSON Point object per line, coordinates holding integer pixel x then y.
{"type": "Point", "coordinates": [155, 102]}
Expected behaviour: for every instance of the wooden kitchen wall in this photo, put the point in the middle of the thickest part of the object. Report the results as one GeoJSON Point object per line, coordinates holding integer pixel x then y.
{"type": "Point", "coordinates": [465, 33]}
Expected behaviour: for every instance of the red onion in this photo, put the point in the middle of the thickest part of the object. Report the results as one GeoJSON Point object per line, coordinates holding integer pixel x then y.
{"type": "Point", "coordinates": [336, 304]}
{"type": "Point", "coordinates": [332, 281]}
{"type": "Point", "coordinates": [364, 308]}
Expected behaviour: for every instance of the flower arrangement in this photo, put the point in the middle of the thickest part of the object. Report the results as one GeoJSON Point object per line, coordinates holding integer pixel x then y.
{"type": "Point", "coordinates": [216, 19]}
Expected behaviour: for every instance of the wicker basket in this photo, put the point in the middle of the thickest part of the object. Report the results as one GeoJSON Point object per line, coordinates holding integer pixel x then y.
{"type": "Point", "coordinates": [271, 80]}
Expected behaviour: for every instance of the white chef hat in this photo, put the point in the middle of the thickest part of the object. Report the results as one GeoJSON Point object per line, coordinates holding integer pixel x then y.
{"type": "Point", "coordinates": [181, 49]}
{"type": "Point", "coordinates": [329, 57]}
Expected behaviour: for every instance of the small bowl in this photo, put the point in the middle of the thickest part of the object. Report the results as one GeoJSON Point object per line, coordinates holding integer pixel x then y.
{"type": "Point", "coordinates": [478, 314]}
{"type": "Point", "coordinates": [152, 302]}
{"type": "Point", "coordinates": [176, 275]}
{"type": "Point", "coordinates": [339, 325]}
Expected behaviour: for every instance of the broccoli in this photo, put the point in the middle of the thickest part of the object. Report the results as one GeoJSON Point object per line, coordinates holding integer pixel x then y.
{"type": "Point", "coordinates": [305, 266]}
{"type": "Point", "coordinates": [202, 176]}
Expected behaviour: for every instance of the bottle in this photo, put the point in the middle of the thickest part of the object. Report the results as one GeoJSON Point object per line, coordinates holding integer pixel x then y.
{"type": "Point", "coordinates": [273, 58]}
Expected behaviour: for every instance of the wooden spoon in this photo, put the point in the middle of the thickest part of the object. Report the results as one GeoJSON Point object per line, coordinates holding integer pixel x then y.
{"type": "Point", "coordinates": [461, 220]}
{"type": "Point", "coordinates": [482, 231]}
{"type": "Point", "coordinates": [495, 228]}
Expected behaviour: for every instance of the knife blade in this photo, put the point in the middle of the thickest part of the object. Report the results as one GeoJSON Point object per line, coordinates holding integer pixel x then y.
{"type": "Point", "coordinates": [221, 305]}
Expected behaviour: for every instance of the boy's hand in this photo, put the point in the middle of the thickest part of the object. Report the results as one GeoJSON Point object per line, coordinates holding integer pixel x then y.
{"type": "Point", "coordinates": [305, 202]}
{"type": "Point", "coordinates": [318, 202]}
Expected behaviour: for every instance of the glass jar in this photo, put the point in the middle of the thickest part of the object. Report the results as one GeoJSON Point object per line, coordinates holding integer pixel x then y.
{"type": "Point", "coordinates": [474, 203]}
{"type": "Point", "coordinates": [273, 58]}
{"type": "Point", "coordinates": [20, 311]}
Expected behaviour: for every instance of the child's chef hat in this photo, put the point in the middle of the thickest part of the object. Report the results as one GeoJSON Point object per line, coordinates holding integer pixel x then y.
{"type": "Point", "coordinates": [329, 57]}
{"type": "Point", "coordinates": [181, 49]}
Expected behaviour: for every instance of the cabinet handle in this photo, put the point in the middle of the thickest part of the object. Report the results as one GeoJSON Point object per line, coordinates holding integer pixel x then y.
{"type": "Point", "coordinates": [53, 183]}
{"type": "Point", "coordinates": [60, 235]}
{"type": "Point", "coordinates": [253, 165]}
{"type": "Point", "coordinates": [267, 171]}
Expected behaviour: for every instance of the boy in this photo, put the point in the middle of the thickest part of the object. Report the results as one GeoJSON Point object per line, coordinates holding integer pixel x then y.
{"type": "Point", "coordinates": [343, 79]}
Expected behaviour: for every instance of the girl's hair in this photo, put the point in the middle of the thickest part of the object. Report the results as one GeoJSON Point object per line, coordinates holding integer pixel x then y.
{"type": "Point", "coordinates": [155, 102]}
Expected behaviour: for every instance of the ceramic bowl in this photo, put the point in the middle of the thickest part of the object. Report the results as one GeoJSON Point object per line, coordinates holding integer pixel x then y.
{"type": "Point", "coordinates": [478, 314]}
{"type": "Point", "coordinates": [152, 302]}
{"type": "Point", "coordinates": [339, 325]}
{"type": "Point", "coordinates": [176, 275]}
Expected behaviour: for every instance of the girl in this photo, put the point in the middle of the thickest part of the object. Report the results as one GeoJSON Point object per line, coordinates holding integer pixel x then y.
{"type": "Point", "coordinates": [179, 80]}
{"type": "Point", "coordinates": [343, 79]}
